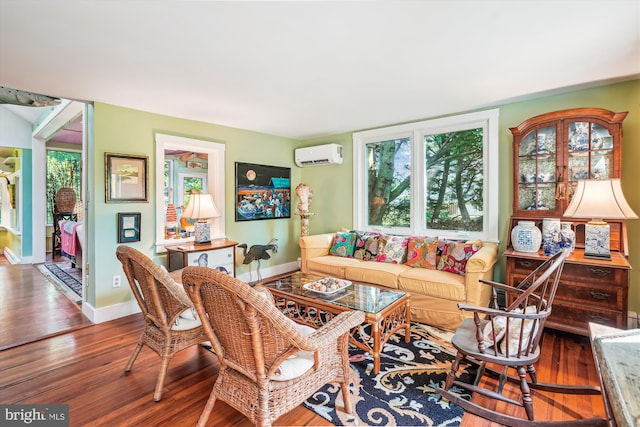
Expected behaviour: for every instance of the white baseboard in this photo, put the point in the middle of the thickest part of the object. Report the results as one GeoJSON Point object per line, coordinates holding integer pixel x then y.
{"type": "Point", "coordinates": [269, 271]}
{"type": "Point", "coordinates": [127, 308]}
{"type": "Point", "coordinates": [110, 312]}
{"type": "Point", "coordinates": [10, 256]}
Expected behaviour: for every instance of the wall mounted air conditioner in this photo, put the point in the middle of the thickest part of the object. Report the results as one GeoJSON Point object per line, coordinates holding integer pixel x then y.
{"type": "Point", "coordinates": [326, 154]}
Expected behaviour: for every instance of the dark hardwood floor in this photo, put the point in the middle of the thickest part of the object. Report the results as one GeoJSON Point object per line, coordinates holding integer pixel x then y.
{"type": "Point", "coordinates": [85, 369]}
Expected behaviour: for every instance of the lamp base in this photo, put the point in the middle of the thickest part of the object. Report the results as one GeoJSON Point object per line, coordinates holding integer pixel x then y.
{"type": "Point", "coordinates": [202, 233]}
{"type": "Point", "coordinates": [596, 240]}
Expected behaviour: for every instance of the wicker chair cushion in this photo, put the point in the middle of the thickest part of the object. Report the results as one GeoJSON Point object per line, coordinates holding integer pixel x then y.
{"type": "Point", "coordinates": [183, 324]}
{"type": "Point", "coordinates": [297, 364]}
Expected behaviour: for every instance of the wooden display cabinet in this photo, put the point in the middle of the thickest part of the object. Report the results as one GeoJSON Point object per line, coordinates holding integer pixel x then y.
{"type": "Point", "coordinates": [551, 153]}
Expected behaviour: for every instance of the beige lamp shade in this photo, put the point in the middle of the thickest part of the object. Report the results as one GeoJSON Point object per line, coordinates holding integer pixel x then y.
{"type": "Point", "coordinates": [599, 198]}
{"type": "Point", "coordinates": [201, 206]}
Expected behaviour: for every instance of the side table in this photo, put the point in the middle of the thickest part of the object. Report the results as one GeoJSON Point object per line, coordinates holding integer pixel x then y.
{"type": "Point", "coordinates": [219, 254]}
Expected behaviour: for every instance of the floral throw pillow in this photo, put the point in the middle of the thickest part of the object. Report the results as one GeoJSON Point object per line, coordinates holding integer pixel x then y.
{"type": "Point", "coordinates": [394, 249]}
{"type": "Point", "coordinates": [421, 252]}
{"type": "Point", "coordinates": [455, 256]}
{"type": "Point", "coordinates": [366, 247]}
{"type": "Point", "coordinates": [343, 244]}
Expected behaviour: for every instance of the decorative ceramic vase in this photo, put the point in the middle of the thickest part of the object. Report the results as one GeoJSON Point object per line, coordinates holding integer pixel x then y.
{"type": "Point", "coordinates": [567, 236]}
{"type": "Point", "coordinates": [551, 236]}
{"type": "Point", "coordinates": [526, 237]}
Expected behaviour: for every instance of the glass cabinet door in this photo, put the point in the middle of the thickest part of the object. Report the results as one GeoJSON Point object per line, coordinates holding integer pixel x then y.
{"type": "Point", "coordinates": [590, 153]}
{"type": "Point", "coordinates": [553, 151]}
{"type": "Point", "coordinates": [537, 170]}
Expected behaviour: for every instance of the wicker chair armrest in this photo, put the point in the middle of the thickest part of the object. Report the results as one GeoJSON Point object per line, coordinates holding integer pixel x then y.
{"type": "Point", "coordinates": [336, 327]}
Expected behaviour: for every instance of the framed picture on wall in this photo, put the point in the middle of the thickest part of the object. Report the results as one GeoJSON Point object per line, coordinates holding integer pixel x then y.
{"type": "Point", "coordinates": [126, 178]}
{"type": "Point", "coordinates": [128, 227]}
{"type": "Point", "coordinates": [262, 192]}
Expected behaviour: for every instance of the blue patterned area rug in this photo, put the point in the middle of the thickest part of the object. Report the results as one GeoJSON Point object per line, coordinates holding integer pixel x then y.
{"type": "Point", "coordinates": [66, 278]}
{"type": "Point", "coordinates": [402, 394]}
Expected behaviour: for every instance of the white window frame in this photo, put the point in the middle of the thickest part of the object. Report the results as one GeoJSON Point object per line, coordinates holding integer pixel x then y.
{"type": "Point", "coordinates": [215, 183]}
{"type": "Point", "coordinates": [488, 120]}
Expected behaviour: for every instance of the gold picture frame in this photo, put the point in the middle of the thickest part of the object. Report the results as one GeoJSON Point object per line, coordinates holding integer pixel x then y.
{"type": "Point", "coordinates": [126, 178]}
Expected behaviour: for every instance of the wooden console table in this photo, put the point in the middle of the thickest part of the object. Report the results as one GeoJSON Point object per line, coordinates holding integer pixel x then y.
{"type": "Point", "coordinates": [219, 254]}
{"type": "Point", "coordinates": [617, 356]}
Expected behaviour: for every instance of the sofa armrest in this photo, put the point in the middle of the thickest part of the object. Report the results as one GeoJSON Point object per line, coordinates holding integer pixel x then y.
{"type": "Point", "coordinates": [480, 267]}
{"type": "Point", "coordinates": [314, 246]}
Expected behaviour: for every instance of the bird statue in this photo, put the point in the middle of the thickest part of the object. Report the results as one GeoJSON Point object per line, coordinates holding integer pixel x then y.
{"type": "Point", "coordinates": [257, 253]}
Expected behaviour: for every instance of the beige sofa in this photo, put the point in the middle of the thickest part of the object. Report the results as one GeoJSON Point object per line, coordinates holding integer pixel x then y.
{"type": "Point", "coordinates": [435, 294]}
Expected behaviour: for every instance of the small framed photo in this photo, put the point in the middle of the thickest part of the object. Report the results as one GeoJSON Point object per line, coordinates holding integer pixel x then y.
{"type": "Point", "coordinates": [126, 178]}
{"type": "Point", "coordinates": [128, 227]}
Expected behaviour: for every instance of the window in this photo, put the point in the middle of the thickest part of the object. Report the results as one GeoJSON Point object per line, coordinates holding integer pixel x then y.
{"type": "Point", "coordinates": [435, 177]}
{"type": "Point", "coordinates": [63, 171]}
{"type": "Point", "coordinates": [174, 155]}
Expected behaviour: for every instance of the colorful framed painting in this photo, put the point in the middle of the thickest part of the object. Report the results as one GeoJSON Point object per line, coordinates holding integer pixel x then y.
{"type": "Point", "coordinates": [126, 178]}
{"type": "Point", "coordinates": [262, 192]}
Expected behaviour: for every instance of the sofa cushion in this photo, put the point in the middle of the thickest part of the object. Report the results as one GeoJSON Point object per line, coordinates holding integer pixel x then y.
{"type": "Point", "coordinates": [377, 273]}
{"type": "Point", "coordinates": [343, 244]}
{"type": "Point", "coordinates": [330, 265]}
{"type": "Point", "coordinates": [393, 249]}
{"type": "Point", "coordinates": [455, 255]}
{"type": "Point", "coordinates": [421, 252]}
{"type": "Point", "coordinates": [367, 244]}
{"type": "Point", "coordinates": [434, 283]}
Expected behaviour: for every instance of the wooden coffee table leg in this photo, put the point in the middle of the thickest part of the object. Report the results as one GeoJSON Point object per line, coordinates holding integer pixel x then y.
{"type": "Point", "coordinates": [407, 330]}
{"type": "Point", "coordinates": [375, 333]}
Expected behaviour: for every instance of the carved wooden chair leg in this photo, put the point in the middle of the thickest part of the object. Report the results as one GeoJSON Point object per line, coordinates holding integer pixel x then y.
{"type": "Point", "coordinates": [455, 365]}
{"type": "Point", "coordinates": [532, 373]}
{"type": "Point", "coordinates": [526, 392]}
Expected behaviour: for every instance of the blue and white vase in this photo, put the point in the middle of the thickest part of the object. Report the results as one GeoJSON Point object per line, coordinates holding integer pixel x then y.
{"type": "Point", "coordinates": [551, 236]}
{"type": "Point", "coordinates": [567, 236]}
{"type": "Point", "coordinates": [526, 237]}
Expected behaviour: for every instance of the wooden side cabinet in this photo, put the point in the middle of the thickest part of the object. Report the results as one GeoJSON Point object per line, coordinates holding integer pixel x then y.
{"type": "Point", "coordinates": [219, 254]}
{"type": "Point", "coordinates": [590, 290]}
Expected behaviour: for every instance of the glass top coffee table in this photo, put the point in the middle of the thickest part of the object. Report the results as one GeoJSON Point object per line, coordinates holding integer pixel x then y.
{"type": "Point", "coordinates": [386, 311]}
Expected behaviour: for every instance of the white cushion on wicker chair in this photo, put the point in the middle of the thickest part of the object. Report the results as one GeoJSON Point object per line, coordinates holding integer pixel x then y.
{"type": "Point", "coordinates": [297, 364]}
{"type": "Point", "coordinates": [183, 323]}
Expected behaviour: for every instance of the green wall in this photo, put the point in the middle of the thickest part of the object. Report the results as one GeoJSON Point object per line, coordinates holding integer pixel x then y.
{"type": "Point", "coordinates": [333, 185]}
{"type": "Point", "coordinates": [122, 130]}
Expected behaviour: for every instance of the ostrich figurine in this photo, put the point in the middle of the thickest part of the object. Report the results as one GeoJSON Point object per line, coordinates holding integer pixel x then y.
{"type": "Point", "coordinates": [257, 253]}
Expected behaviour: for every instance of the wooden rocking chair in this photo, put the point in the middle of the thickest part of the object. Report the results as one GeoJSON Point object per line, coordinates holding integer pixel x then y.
{"type": "Point", "coordinates": [511, 339]}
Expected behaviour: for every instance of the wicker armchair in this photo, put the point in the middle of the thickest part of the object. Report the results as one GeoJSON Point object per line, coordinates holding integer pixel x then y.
{"type": "Point", "coordinates": [162, 302]}
{"type": "Point", "coordinates": [254, 340]}
{"type": "Point", "coordinates": [510, 338]}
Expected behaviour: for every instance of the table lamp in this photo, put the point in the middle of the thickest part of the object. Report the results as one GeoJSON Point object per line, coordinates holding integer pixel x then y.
{"type": "Point", "coordinates": [201, 208]}
{"type": "Point", "coordinates": [598, 199]}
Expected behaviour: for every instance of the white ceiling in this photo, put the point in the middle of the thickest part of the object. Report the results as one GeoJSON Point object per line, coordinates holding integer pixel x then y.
{"type": "Point", "coordinates": [312, 68]}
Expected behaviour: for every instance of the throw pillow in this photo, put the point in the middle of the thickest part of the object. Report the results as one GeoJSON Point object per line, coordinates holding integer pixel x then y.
{"type": "Point", "coordinates": [343, 244]}
{"type": "Point", "coordinates": [421, 252]}
{"type": "Point", "coordinates": [455, 256]}
{"type": "Point", "coordinates": [366, 247]}
{"type": "Point", "coordinates": [394, 249]}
